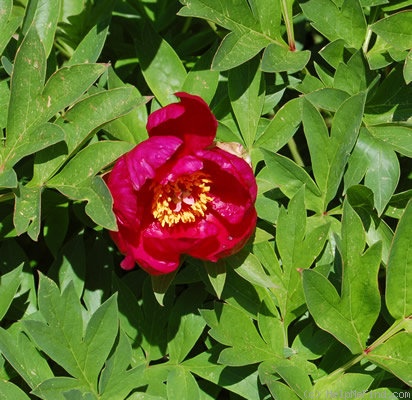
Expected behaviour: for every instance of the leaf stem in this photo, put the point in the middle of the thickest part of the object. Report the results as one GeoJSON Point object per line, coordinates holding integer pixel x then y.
{"type": "Point", "coordinates": [393, 330]}
{"type": "Point", "coordinates": [295, 152]}
{"type": "Point", "coordinates": [288, 18]}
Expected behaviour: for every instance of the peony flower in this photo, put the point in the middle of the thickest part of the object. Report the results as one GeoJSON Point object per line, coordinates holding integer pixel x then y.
{"type": "Point", "coordinates": [178, 193]}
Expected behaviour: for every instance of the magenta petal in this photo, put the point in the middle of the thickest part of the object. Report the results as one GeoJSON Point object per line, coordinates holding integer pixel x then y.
{"type": "Point", "coordinates": [183, 166]}
{"type": "Point", "coordinates": [190, 119]}
{"type": "Point", "coordinates": [147, 157]}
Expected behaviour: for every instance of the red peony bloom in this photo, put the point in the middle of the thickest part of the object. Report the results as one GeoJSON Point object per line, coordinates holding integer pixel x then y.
{"type": "Point", "coordinates": [177, 193]}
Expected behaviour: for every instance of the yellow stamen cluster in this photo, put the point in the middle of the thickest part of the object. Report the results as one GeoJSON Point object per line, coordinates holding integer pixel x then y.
{"type": "Point", "coordinates": [182, 200]}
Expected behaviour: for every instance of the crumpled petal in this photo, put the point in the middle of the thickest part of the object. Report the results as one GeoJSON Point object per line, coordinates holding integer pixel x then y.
{"type": "Point", "coordinates": [191, 120]}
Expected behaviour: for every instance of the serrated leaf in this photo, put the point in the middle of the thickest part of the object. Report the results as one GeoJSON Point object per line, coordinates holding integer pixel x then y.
{"type": "Point", "coordinates": [247, 95]}
{"type": "Point", "coordinates": [9, 283]}
{"type": "Point", "coordinates": [399, 273]}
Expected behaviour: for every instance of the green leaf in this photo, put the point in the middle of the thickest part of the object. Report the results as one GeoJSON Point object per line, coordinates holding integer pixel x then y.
{"type": "Point", "coordinates": [247, 95]}
{"type": "Point", "coordinates": [391, 101]}
{"type": "Point", "coordinates": [379, 165]}
{"type": "Point", "coordinates": [23, 356]}
{"type": "Point", "coordinates": [282, 127]}
{"type": "Point", "coordinates": [350, 383]}
{"type": "Point", "coordinates": [9, 390]}
{"type": "Point", "coordinates": [67, 85]}
{"type": "Point", "coordinates": [88, 162]}
{"type": "Point", "coordinates": [394, 356]}
{"type": "Point", "coordinates": [329, 155]}
{"type": "Point", "coordinates": [181, 384]}
{"type": "Point", "coordinates": [185, 324]}
{"type": "Point", "coordinates": [10, 19]}
{"type": "Point", "coordinates": [201, 80]}
{"type": "Point", "coordinates": [117, 380]}
{"type": "Point", "coordinates": [327, 98]}
{"type": "Point", "coordinates": [70, 266]}
{"type": "Point", "coordinates": [160, 285]}
{"type": "Point", "coordinates": [56, 388]}
{"type": "Point", "coordinates": [216, 273]}
{"type": "Point", "coordinates": [26, 87]}
{"type": "Point", "coordinates": [407, 69]}
{"type": "Point", "coordinates": [395, 29]}
{"type": "Point", "coordinates": [252, 27]}
{"type": "Point", "coordinates": [277, 58]}
{"type": "Point", "coordinates": [161, 67]}
{"type": "Point", "coordinates": [399, 273]}
{"type": "Point", "coordinates": [234, 328]}
{"type": "Point", "coordinates": [37, 139]}
{"type": "Point", "coordinates": [89, 49]}
{"type": "Point", "coordinates": [27, 210]}
{"type": "Point", "coordinates": [348, 317]}
{"type": "Point", "coordinates": [347, 22]}
{"type": "Point", "coordinates": [99, 200]}
{"type": "Point", "coordinates": [241, 380]}
{"type": "Point", "coordinates": [397, 136]}
{"type": "Point", "coordinates": [45, 21]}
{"type": "Point", "coordinates": [62, 338]}
{"type": "Point", "coordinates": [355, 76]}
{"type": "Point", "coordinates": [9, 283]}
{"type": "Point", "coordinates": [283, 173]}
{"type": "Point", "coordinates": [249, 268]}
{"type": "Point", "coordinates": [236, 49]}
{"type": "Point", "coordinates": [78, 124]}
{"type": "Point", "coordinates": [298, 249]}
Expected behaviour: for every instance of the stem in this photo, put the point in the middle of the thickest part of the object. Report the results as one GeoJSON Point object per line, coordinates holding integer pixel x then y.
{"type": "Point", "coordinates": [288, 18]}
{"type": "Point", "coordinates": [295, 152]}
{"type": "Point", "coordinates": [393, 330]}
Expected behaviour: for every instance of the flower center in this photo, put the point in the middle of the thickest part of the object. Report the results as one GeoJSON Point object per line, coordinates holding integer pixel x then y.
{"type": "Point", "coordinates": [182, 200]}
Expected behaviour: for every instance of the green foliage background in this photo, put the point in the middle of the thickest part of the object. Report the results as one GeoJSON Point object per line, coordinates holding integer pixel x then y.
{"type": "Point", "coordinates": [319, 303]}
